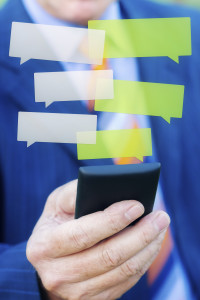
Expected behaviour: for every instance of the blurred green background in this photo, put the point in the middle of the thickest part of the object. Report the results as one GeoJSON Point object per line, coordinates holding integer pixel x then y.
{"type": "Point", "coordinates": [195, 3]}
{"type": "Point", "coordinates": [2, 2]}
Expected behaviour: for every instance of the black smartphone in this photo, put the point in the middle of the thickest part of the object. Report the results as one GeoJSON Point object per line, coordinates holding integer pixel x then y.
{"type": "Point", "coordinates": [100, 186]}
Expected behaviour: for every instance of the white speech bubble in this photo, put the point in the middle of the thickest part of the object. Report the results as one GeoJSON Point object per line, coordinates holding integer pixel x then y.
{"type": "Point", "coordinates": [86, 137]}
{"type": "Point", "coordinates": [57, 43]}
{"type": "Point", "coordinates": [73, 85]}
{"type": "Point", "coordinates": [55, 128]}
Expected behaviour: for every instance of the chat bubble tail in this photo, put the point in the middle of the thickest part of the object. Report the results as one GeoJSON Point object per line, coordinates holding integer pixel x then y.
{"type": "Point", "coordinates": [23, 60]}
{"type": "Point", "coordinates": [48, 103]}
{"type": "Point", "coordinates": [141, 158]}
{"type": "Point", "coordinates": [55, 128]}
{"type": "Point", "coordinates": [30, 143]}
{"type": "Point", "coordinates": [118, 143]}
{"type": "Point", "coordinates": [175, 58]}
{"type": "Point", "coordinates": [167, 119]}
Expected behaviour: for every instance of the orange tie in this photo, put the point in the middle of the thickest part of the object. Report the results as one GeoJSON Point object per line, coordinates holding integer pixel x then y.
{"type": "Point", "coordinates": [128, 160]}
{"type": "Point", "coordinates": [161, 259]}
{"type": "Point", "coordinates": [104, 66]}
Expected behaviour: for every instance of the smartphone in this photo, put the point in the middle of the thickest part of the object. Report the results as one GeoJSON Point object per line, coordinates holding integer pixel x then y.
{"type": "Point", "coordinates": [100, 186]}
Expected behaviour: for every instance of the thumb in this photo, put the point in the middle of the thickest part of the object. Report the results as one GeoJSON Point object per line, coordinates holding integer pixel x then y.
{"type": "Point", "coordinates": [63, 199]}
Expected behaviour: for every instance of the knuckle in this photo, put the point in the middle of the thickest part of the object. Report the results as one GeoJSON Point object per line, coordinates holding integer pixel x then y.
{"type": "Point", "coordinates": [146, 237]}
{"type": "Point", "coordinates": [52, 197]}
{"type": "Point", "coordinates": [55, 242]}
{"type": "Point", "coordinates": [131, 268]}
{"type": "Point", "coordinates": [84, 296]}
{"type": "Point", "coordinates": [35, 252]}
{"type": "Point", "coordinates": [111, 258]}
{"type": "Point", "coordinates": [30, 253]}
{"type": "Point", "coordinates": [50, 281]}
{"type": "Point", "coordinates": [112, 294]}
{"type": "Point", "coordinates": [141, 271]}
{"type": "Point", "coordinates": [151, 250]}
{"type": "Point", "coordinates": [154, 248]}
{"type": "Point", "coordinates": [43, 251]}
{"type": "Point", "coordinates": [112, 221]}
{"type": "Point", "coordinates": [77, 294]}
{"type": "Point", "coordinates": [148, 264]}
{"type": "Point", "coordinates": [80, 238]}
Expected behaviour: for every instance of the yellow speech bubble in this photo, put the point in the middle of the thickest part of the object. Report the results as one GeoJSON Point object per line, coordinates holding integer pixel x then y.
{"type": "Point", "coordinates": [146, 37]}
{"type": "Point", "coordinates": [117, 143]}
{"type": "Point", "coordinates": [145, 98]}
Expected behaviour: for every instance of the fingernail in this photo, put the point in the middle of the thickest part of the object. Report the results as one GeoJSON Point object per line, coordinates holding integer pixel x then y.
{"type": "Point", "coordinates": [161, 221]}
{"type": "Point", "coordinates": [134, 212]}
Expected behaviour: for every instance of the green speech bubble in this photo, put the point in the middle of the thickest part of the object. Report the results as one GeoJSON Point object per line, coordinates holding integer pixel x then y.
{"type": "Point", "coordinates": [145, 98]}
{"type": "Point", "coordinates": [117, 143]}
{"type": "Point", "coordinates": [146, 37]}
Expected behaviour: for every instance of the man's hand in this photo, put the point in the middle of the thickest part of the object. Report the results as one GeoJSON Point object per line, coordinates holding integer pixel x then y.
{"type": "Point", "coordinates": [95, 257]}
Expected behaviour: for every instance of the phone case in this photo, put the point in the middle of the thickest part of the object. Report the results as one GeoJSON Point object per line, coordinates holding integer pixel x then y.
{"type": "Point", "coordinates": [101, 186]}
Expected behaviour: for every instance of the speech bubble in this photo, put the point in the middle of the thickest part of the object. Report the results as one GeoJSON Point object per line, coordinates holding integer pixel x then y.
{"type": "Point", "coordinates": [146, 37]}
{"type": "Point", "coordinates": [73, 85]}
{"type": "Point", "coordinates": [117, 143]}
{"type": "Point", "coordinates": [55, 128]}
{"type": "Point", "coordinates": [57, 43]}
{"type": "Point", "coordinates": [145, 98]}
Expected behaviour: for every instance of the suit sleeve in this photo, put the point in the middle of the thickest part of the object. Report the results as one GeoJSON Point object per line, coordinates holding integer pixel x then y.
{"type": "Point", "coordinates": [18, 278]}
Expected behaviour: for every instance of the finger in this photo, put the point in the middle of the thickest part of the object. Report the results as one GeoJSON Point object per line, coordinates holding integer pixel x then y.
{"type": "Point", "coordinates": [115, 251]}
{"type": "Point", "coordinates": [132, 268]}
{"type": "Point", "coordinates": [117, 290]}
{"type": "Point", "coordinates": [66, 198]}
{"type": "Point", "coordinates": [62, 199]}
{"type": "Point", "coordinates": [77, 235]}
{"type": "Point", "coordinates": [119, 280]}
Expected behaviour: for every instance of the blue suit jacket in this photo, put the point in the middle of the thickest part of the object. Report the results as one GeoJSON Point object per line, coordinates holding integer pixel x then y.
{"type": "Point", "coordinates": [27, 176]}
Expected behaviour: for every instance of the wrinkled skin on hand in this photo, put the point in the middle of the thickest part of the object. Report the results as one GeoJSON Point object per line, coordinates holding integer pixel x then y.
{"type": "Point", "coordinates": [95, 257]}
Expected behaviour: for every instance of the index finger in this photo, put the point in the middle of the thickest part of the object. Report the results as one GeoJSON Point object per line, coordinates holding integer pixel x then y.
{"type": "Point", "coordinates": [77, 235]}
